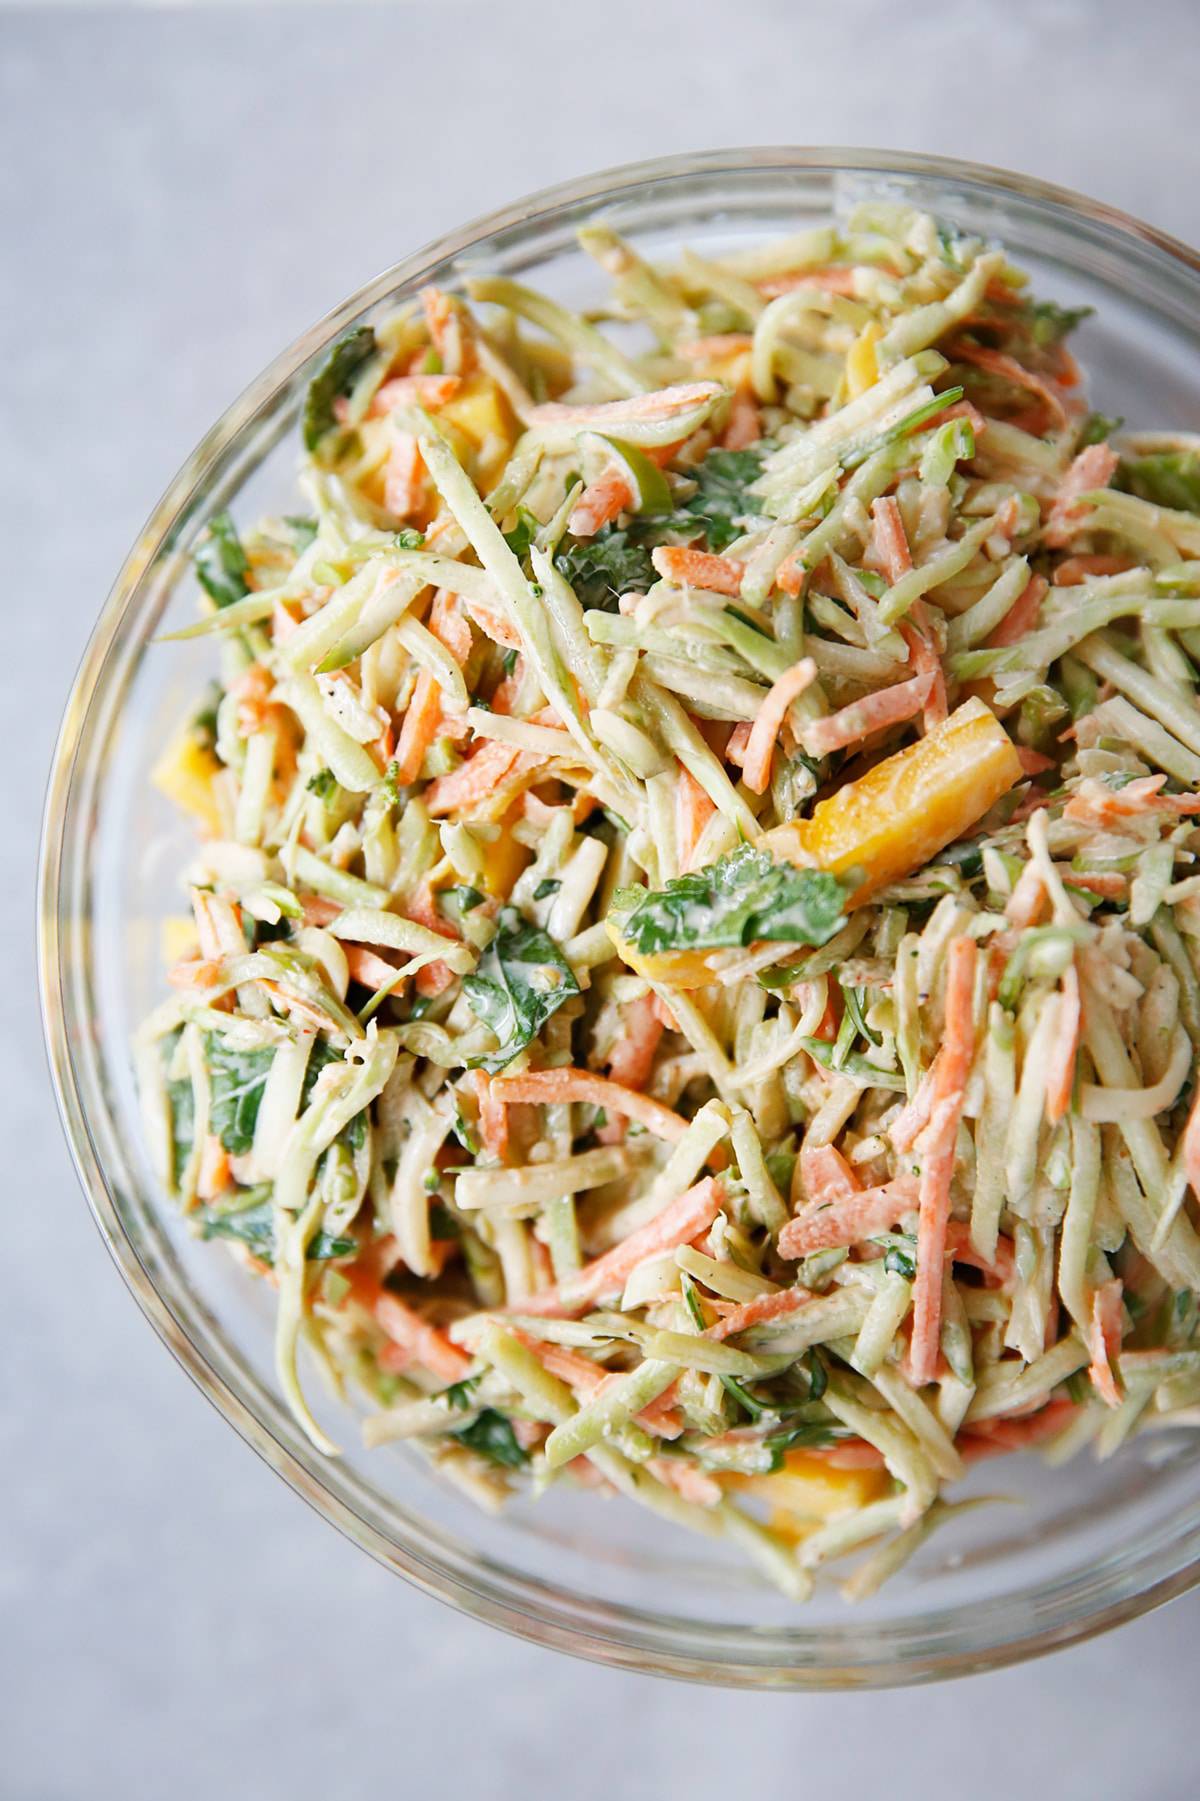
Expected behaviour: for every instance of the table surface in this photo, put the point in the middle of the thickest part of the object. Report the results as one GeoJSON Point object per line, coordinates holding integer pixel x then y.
{"type": "Point", "coordinates": [181, 191]}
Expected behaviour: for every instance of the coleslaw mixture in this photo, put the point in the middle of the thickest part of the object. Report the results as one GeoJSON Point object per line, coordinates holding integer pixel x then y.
{"type": "Point", "coordinates": [692, 986]}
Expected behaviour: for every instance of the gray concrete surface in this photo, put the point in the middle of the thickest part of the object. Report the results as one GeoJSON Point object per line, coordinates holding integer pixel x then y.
{"type": "Point", "coordinates": [180, 192]}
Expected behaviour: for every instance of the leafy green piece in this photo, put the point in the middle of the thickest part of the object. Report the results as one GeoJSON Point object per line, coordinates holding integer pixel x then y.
{"type": "Point", "coordinates": [805, 1435]}
{"type": "Point", "coordinates": [523, 533]}
{"type": "Point", "coordinates": [454, 902]}
{"type": "Point", "coordinates": [1169, 478]}
{"type": "Point", "coordinates": [743, 897]}
{"type": "Point", "coordinates": [255, 1228]}
{"type": "Point", "coordinates": [546, 888]}
{"type": "Point", "coordinates": [182, 1099]}
{"type": "Point", "coordinates": [1048, 323]}
{"type": "Point", "coordinates": [353, 1133]}
{"type": "Point", "coordinates": [745, 1400]}
{"type": "Point", "coordinates": [220, 562]}
{"type": "Point", "coordinates": [332, 381]}
{"type": "Point", "coordinates": [721, 504]}
{"type": "Point", "coordinates": [459, 1393]}
{"type": "Point", "coordinates": [603, 568]}
{"type": "Point", "coordinates": [237, 1079]}
{"type": "Point", "coordinates": [302, 529]}
{"type": "Point", "coordinates": [493, 1437]}
{"type": "Point", "coordinates": [522, 978]}
{"type": "Point", "coordinates": [323, 785]}
{"type": "Point", "coordinates": [442, 1223]}
{"type": "Point", "coordinates": [899, 1263]}
{"type": "Point", "coordinates": [1097, 427]}
{"type": "Point", "coordinates": [408, 538]}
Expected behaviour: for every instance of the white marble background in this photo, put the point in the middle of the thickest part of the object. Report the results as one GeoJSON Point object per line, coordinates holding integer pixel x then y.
{"type": "Point", "coordinates": [181, 191]}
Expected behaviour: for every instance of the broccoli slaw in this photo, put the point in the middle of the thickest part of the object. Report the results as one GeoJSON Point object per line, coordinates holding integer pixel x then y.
{"type": "Point", "coordinates": [692, 984]}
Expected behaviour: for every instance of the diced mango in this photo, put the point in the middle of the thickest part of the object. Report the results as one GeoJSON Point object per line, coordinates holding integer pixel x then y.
{"type": "Point", "coordinates": [682, 969]}
{"type": "Point", "coordinates": [481, 412]}
{"type": "Point", "coordinates": [897, 816]}
{"type": "Point", "coordinates": [176, 937]}
{"type": "Point", "coordinates": [862, 366]}
{"type": "Point", "coordinates": [809, 1489]}
{"type": "Point", "coordinates": [503, 860]}
{"type": "Point", "coordinates": [185, 774]}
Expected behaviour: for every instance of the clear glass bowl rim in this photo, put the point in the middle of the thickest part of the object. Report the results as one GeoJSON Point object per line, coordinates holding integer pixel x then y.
{"type": "Point", "coordinates": [900, 1651]}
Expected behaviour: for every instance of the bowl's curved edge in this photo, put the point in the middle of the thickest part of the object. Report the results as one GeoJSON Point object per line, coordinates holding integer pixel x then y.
{"type": "Point", "coordinates": [542, 1629]}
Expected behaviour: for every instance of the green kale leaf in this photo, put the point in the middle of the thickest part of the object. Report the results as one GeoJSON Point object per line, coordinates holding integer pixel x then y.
{"type": "Point", "coordinates": [744, 897]}
{"type": "Point", "coordinates": [332, 381]}
{"type": "Point", "coordinates": [493, 1437]}
{"type": "Point", "coordinates": [237, 1079]}
{"type": "Point", "coordinates": [603, 568]}
{"type": "Point", "coordinates": [1168, 478]}
{"type": "Point", "coordinates": [521, 980]}
{"type": "Point", "coordinates": [255, 1228]}
{"type": "Point", "coordinates": [221, 563]}
{"type": "Point", "coordinates": [721, 505]}
{"type": "Point", "coordinates": [1048, 323]}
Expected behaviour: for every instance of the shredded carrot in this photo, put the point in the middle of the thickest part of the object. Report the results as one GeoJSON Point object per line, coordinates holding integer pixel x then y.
{"type": "Point", "coordinates": [473, 780]}
{"type": "Point", "coordinates": [960, 1248]}
{"type": "Point", "coordinates": [718, 345]}
{"type": "Point", "coordinates": [1092, 468]}
{"type": "Point", "coordinates": [414, 390]}
{"type": "Point", "coordinates": [587, 1378]}
{"type": "Point", "coordinates": [493, 1117]}
{"type": "Point", "coordinates": [558, 1087]}
{"type": "Point", "coordinates": [825, 1175]}
{"type": "Point", "coordinates": [739, 739]}
{"type": "Point", "coordinates": [790, 576]}
{"type": "Point", "coordinates": [937, 1165]}
{"type": "Point", "coordinates": [367, 968]}
{"type": "Point", "coordinates": [889, 552]}
{"type": "Point", "coordinates": [679, 1223]}
{"type": "Point", "coordinates": [768, 723]}
{"type": "Point", "coordinates": [451, 331]}
{"type": "Point", "coordinates": [873, 713]}
{"type": "Point", "coordinates": [693, 810]}
{"type": "Point", "coordinates": [994, 362]}
{"type": "Point", "coordinates": [632, 1057]}
{"type": "Point", "coordinates": [1073, 570]}
{"type": "Point", "coordinates": [1027, 902]}
{"type": "Point", "coordinates": [917, 632]}
{"type": "Point", "coordinates": [846, 1221]}
{"type": "Point", "coordinates": [754, 1313]}
{"type": "Point", "coordinates": [1060, 1077]}
{"type": "Point", "coordinates": [404, 477]}
{"type": "Point", "coordinates": [420, 728]}
{"type": "Point", "coordinates": [833, 280]}
{"type": "Point", "coordinates": [214, 1175]}
{"type": "Point", "coordinates": [913, 1117]}
{"type": "Point", "coordinates": [992, 1438]}
{"type": "Point", "coordinates": [1021, 616]}
{"type": "Point", "coordinates": [664, 403]}
{"type": "Point", "coordinates": [600, 503]}
{"type": "Point", "coordinates": [1104, 1340]}
{"type": "Point", "coordinates": [1032, 761]}
{"type": "Point", "coordinates": [424, 1344]}
{"type": "Point", "coordinates": [698, 569]}
{"type": "Point", "coordinates": [448, 625]}
{"type": "Point", "coordinates": [745, 422]}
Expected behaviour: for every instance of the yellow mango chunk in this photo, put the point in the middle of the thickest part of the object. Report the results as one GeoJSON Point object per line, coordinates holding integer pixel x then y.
{"type": "Point", "coordinates": [862, 367]}
{"type": "Point", "coordinates": [503, 861]}
{"type": "Point", "coordinates": [176, 937]}
{"type": "Point", "coordinates": [481, 412]}
{"type": "Point", "coordinates": [808, 1490]}
{"type": "Point", "coordinates": [897, 816]}
{"type": "Point", "coordinates": [185, 775]}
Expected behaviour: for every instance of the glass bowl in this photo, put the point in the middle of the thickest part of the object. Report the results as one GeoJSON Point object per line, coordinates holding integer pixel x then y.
{"type": "Point", "coordinates": [1084, 1547]}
